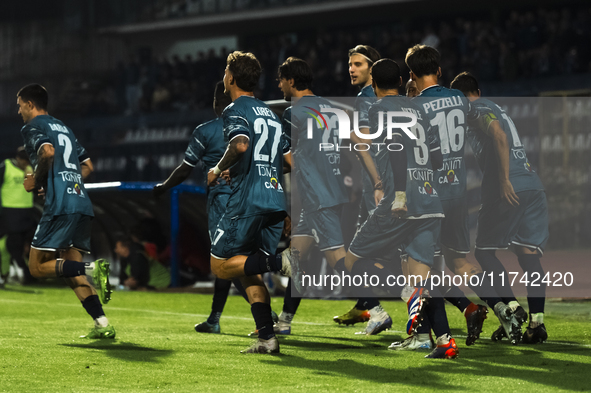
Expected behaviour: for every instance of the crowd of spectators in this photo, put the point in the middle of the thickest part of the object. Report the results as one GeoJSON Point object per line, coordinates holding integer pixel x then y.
{"type": "Point", "coordinates": [504, 48]}
{"type": "Point", "coordinates": [170, 9]}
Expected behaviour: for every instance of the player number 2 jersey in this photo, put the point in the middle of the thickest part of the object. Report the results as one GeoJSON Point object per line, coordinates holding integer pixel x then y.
{"type": "Point", "coordinates": [65, 192]}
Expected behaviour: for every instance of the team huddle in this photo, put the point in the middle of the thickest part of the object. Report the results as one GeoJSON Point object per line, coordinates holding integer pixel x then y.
{"type": "Point", "coordinates": [413, 211]}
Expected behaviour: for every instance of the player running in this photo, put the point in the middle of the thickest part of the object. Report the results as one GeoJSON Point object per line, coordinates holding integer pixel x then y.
{"type": "Point", "coordinates": [60, 164]}
{"type": "Point", "coordinates": [246, 238]}
{"type": "Point", "coordinates": [514, 210]}
{"type": "Point", "coordinates": [207, 145]}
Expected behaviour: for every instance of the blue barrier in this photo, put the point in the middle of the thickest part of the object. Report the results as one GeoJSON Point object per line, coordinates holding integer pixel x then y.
{"type": "Point", "coordinates": [174, 213]}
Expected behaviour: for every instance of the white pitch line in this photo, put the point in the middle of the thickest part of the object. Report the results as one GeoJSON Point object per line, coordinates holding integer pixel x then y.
{"type": "Point", "coordinates": [246, 319]}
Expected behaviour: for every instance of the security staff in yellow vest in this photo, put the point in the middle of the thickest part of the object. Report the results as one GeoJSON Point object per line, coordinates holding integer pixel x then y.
{"type": "Point", "coordinates": [17, 218]}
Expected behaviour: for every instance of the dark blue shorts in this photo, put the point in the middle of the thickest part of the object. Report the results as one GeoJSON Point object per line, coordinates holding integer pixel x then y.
{"type": "Point", "coordinates": [64, 232]}
{"type": "Point", "coordinates": [324, 226]}
{"type": "Point", "coordinates": [246, 236]}
{"type": "Point", "coordinates": [500, 224]}
{"type": "Point", "coordinates": [381, 236]}
{"type": "Point", "coordinates": [215, 211]}
{"type": "Point", "coordinates": [455, 231]}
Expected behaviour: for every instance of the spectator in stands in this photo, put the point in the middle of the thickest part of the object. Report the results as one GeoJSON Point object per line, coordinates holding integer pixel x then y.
{"type": "Point", "coordinates": [509, 46]}
{"type": "Point", "coordinates": [139, 270]}
{"type": "Point", "coordinates": [160, 98]}
{"type": "Point", "coordinates": [17, 218]}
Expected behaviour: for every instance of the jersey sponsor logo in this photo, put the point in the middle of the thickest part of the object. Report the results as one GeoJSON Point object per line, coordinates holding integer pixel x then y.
{"type": "Point", "coordinates": [449, 178]}
{"type": "Point", "coordinates": [58, 128]}
{"type": "Point", "coordinates": [528, 167]}
{"type": "Point", "coordinates": [273, 183]}
{"type": "Point", "coordinates": [264, 170]}
{"type": "Point", "coordinates": [427, 189]}
{"type": "Point", "coordinates": [76, 190]}
{"type": "Point", "coordinates": [518, 154]}
{"type": "Point", "coordinates": [420, 174]}
{"type": "Point", "coordinates": [70, 176]}
{"type": "Point", "coordinates": [442, 103]}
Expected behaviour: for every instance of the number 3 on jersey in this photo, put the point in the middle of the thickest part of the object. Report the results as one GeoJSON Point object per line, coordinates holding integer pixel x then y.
{"type": "Point", "coordinates": [261, 127]}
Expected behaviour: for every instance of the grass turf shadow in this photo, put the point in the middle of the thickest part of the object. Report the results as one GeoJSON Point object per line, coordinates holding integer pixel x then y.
{"type": "Point", "coordinates": [491, 360]}
{"type": "Point", "coordinates": [125, 351]}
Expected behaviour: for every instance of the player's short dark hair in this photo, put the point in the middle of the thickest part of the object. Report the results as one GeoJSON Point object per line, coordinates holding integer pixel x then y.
{"type": "Point", "coordinates": [366, 51]}
{"type": "Point", "coordinates": [299, 71]}
{"type": "Point", "coordinates": [423, 60]}
{"type": "Point", "coordinates": [36, 94]}
{"type": "Point", "coordinates": [220, 99]}
{"type": "Point", "coordinates": [466, 83]}
{"type": "Point", "coordinates": [245, 69]}
{"type": "Point", "coordinates": [22, 153]}
{"type": "Point", "coordinates": [386, 74]}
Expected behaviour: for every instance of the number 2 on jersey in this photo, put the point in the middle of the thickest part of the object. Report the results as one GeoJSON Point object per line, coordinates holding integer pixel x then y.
{"type": "Point", "coordinates": [65, 142]}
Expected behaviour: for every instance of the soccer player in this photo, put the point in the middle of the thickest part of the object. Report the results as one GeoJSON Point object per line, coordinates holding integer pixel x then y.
{"type": "Point", "coordinates": [317, 175]}
{"type": "Point", "coordinates": [411, 89]}
{"type": "Point", "coordinates": [361, 59]}
{"type": "Point", "coordinates": [409, 215]}
{"type": "Point", "coordinates": [448, 111]}
{"type": "Point", "coordinates": [421, 338]}
{"type": "Point", "coordinates": [246, 238]}
{"type": "Point", "coordinates": [514, 209]}
{"type": "Point", "coordinates": [60, 164]}
{"type": "Point", "coordinates": [207, 145]}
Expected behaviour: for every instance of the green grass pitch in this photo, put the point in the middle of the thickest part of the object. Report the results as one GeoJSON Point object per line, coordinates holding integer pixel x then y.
{"type": "Point", "coordinates": [157, 350]}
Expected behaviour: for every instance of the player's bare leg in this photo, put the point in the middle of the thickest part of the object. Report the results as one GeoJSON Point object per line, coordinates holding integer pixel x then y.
{"type": "Point", "coordinates": [42, 264]}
